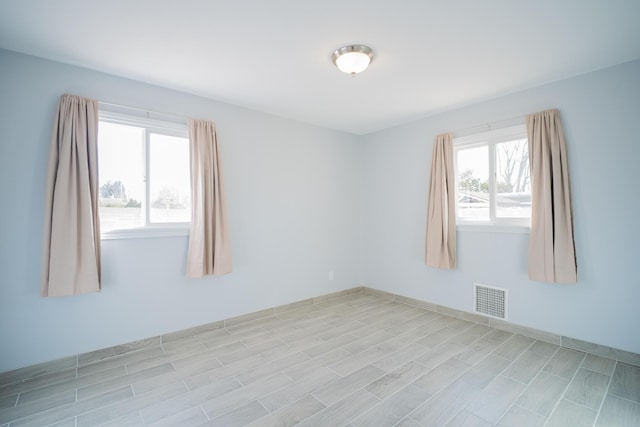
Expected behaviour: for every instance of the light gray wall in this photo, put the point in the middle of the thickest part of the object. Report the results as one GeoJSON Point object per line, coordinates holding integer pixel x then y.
{"type": "Point", "coordinates": [292, 192]}
{"type": "Point", "coordinates": [305, 200]}
{"type": "Point", "coordinates": [601, 115]}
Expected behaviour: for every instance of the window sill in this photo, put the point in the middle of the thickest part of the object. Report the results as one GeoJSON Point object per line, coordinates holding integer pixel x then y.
{"type": "Point", "coordinates": [485, 227]}
{"type": "Point", "coordinates": [144, 233]}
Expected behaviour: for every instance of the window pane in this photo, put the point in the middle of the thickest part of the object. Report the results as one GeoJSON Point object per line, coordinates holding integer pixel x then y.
{"type": "Point", "coordinates": [169, 187]}
{"type": "Point", "coordinates": [120, 176]}
{"type": "Point", "coordinates": [473, 183]}
{"type": "Point", "coordinates": [513, 193]}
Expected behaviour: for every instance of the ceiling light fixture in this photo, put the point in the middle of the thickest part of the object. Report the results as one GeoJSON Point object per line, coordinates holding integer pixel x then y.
{"type": "Point", "coordinates": [352, 59]}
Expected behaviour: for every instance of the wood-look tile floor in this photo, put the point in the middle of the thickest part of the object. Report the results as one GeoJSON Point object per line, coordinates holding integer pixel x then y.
{"type": "Point", "coordinates": [356, 360]}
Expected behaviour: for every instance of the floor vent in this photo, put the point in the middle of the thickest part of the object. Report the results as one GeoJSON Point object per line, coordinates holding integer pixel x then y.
{"type": "Point", "coordinates": [490, 301]}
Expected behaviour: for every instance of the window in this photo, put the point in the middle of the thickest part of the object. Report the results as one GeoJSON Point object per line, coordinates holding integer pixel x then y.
{"type": "Point", "coordinates": [493, 183]}
{"type": "Point", "coordinates": [143, 174]}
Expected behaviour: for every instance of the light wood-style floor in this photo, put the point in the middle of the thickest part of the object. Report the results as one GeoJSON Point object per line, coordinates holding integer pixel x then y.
{"type": "Point", "coordinates": [356, 360]}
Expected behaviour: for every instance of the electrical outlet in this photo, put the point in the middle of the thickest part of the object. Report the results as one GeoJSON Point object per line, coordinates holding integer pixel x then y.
{"type": "Point", "coordinates": [331, 275]}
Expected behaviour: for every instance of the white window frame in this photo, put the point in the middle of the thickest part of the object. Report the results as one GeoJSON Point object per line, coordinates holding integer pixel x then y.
{"type": "Point", "coordinates": [165, 125]}
{"type": "Point", "coordinates": [489, 138]}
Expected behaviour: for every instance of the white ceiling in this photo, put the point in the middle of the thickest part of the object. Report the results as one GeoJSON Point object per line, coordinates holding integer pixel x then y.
{"type": "Point", "coordinates": [274, 55]}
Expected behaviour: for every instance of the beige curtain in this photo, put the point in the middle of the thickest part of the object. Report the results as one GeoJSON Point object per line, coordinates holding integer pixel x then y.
{"type": "Point", "coordinates": [209, 245]}
{"type": "Point", "coordinates": [552, 255]}
{"type": "Point", "coordinates": [441, 214]}
{"type": "Point", "coordinates": [71, 255]}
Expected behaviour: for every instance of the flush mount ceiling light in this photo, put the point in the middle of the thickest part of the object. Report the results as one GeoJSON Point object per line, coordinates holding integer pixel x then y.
{"type": "Point", "coordinates": [352, 59]}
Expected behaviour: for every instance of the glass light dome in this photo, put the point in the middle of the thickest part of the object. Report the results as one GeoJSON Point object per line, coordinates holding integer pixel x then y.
{"type": "Point", "coordinates": [352, 59]}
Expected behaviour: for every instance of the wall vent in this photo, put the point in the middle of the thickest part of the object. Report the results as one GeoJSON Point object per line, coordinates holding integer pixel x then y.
{"type": "Point", "coordinates": [490, 301]}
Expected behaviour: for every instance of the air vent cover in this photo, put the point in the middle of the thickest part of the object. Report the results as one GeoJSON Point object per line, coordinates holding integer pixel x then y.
{"type": "Point", "coordinates": [490, 301]}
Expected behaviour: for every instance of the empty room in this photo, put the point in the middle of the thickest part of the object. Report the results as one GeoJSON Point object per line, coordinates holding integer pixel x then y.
{"type": "Point", "coordinates": [336, 213]}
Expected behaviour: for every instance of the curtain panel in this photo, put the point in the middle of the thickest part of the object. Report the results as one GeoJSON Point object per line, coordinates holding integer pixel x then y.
{"type": "Point", "coordinates": [441, 215]}
{"type": "Point", "coordinates": [552, 256]}
{"type": "Point", "coordinates": [209, 244]}
{"type": "Point", "coordinates": [71, 244]}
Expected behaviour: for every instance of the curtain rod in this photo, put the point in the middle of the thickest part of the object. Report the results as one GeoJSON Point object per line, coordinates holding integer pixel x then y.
{"type": "Point", "coordinates": [512, 121]}
{"type": "Point", "coordinates": [147, 113]}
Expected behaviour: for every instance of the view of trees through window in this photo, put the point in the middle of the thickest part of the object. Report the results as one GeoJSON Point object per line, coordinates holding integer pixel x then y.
{"type": "Point", "coordinates": [134, 161]}
{"type": "Point", "coordinates": [512, 180]}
